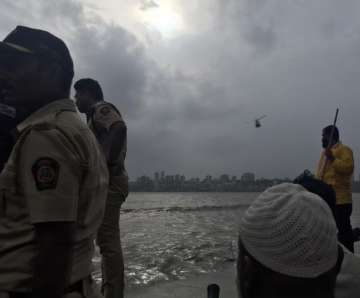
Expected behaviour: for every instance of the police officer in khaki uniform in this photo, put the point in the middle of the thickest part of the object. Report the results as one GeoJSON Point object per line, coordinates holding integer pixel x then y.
{"type": "Point", "coordinates": [54, 184]}
{"type": "Point", "coordinates": [109, 127]}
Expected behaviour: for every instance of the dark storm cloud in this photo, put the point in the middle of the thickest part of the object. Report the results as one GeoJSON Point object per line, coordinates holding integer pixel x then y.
{"type": "Point", "coordinates": [190, 100]}
{"type": "Point", "coordinates": [295, 61]}
{"type": "Point", "coordinates": [114, 57]}
{"type": "Point", "coordinates": [103, 51]}
{"type": "Point", "coordinates": [106, 52]}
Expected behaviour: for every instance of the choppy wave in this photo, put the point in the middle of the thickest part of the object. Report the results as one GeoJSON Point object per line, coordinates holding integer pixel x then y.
{"type": "Point", "coordinates": [173, 236]}
{"type": "Point", "coordinates": [184, 209]}
{"type": "Point", "coordinates": [173, 262]}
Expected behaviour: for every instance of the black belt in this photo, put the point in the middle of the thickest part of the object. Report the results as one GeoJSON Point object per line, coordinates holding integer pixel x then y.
{"type": "Point", "coordinates": [76, 287]}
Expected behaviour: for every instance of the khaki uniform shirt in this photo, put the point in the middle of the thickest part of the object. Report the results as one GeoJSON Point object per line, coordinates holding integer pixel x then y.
{"type": "Point", "coordinates": [56, 172]}
{"type": "Point", "coordinates": [102, 117]}
{"type": "Point", "coordinates": [338, 173]}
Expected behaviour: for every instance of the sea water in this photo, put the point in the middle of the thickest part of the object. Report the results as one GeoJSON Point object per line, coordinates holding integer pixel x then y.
{"type": "Point", "coordinates": [172, 236]}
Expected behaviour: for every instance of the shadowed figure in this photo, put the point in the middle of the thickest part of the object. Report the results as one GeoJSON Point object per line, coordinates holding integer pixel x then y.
{"type": "Point", "coordinates": [106, 122]}
{"type": "Point", "coordinates": [54, 183]}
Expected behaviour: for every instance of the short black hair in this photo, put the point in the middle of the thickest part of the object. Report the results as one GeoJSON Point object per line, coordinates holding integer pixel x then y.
{"type": "Point", "coordinates": [90, 85]}
{"type": "Point", "coordinates": [328, 129]}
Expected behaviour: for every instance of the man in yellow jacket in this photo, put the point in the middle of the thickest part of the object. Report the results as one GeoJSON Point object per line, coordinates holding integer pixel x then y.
{"type": "Point", "coordinates": [336, 167]}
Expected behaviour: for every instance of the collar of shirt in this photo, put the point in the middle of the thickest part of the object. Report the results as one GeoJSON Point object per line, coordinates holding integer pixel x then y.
{"type": "Point", "coordinates": [47, 111]}
{"type": "Point", "coordinates": [92, 110]}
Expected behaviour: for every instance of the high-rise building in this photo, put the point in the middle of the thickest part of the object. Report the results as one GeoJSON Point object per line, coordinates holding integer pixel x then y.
{"type": "Point", "coordinates": [248, 177]}
{"type": "Point", "coordinates": [224, 178]}
{"type": "Point", "coordinates": [156, 176]}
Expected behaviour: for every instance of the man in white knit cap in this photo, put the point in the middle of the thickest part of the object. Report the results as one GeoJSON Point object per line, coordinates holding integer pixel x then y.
{"type": "Point", "coordinates": [287, 246]}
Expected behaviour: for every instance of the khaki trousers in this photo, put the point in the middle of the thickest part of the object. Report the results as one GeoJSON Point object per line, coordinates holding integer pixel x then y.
{"type": "Point", "coordinates": [108, 239]}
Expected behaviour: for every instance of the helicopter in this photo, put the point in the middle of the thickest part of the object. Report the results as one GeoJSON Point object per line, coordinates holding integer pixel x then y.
{"type": "Point", "coordinates": [257, 121]}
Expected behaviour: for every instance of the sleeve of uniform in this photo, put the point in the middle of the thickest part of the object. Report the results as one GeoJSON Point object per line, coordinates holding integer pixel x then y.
{"type": "Point", "coordinates": [344, 162]}
{"type": "Point", "coordinates": [115, 141]}
{"type": "Point", "coordinates": [50, 176]}
{"type": "Point", "coordinates": [106, 116]}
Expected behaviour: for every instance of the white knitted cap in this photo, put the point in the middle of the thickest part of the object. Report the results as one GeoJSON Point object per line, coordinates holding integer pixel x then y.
{"type": "Point", "coordinates": [291, 231]}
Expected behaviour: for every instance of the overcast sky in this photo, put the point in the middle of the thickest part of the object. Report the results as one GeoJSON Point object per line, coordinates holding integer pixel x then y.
{"type": "Point", "coordinates": [190, 76]}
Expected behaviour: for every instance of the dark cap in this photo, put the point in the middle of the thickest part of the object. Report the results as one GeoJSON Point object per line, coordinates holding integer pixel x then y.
{"type": "Point", "coordinates": [40, 43]}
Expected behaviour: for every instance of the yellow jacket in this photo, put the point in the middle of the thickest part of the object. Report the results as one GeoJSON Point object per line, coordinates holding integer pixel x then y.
{"type": "Point", "coordinates": [338, 173]}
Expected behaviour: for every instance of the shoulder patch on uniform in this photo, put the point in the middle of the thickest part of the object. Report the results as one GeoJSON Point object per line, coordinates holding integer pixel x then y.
{"type": "Point", "coordinates": [105, 110]}
{"type": "Point", "coordinates": [46, 173]}
{"type": "Point", "coordinates": [105, 116]}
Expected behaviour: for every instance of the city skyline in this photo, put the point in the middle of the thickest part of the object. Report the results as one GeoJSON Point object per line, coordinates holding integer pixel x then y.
{"type": "Point", "coordinates": [247, 182]}
{"type": "Point", "coordinates": [163, 173]}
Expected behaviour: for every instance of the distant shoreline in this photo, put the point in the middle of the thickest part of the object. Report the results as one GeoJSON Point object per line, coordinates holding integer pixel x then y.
{"type": "Point", "coordinates": [177, 183]}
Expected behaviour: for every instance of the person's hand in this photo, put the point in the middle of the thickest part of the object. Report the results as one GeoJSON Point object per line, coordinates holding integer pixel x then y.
{"type": "Point", "coordinates": [329, 155]}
